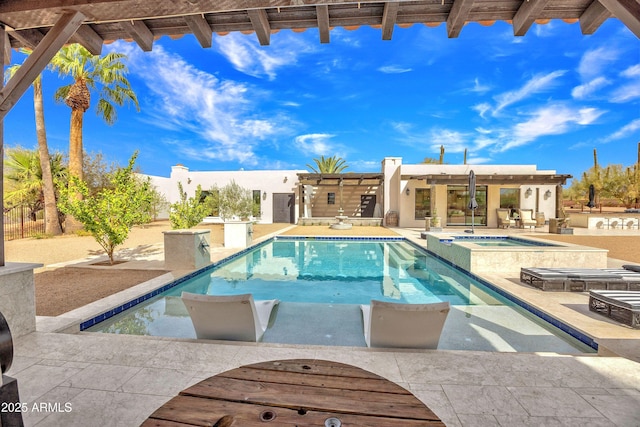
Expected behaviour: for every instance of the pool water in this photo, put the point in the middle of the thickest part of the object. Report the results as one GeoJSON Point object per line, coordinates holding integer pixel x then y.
{"type": "Point", "coordinates": [501, 241]}
{"type": "Point", "coordinates": [321, 284]}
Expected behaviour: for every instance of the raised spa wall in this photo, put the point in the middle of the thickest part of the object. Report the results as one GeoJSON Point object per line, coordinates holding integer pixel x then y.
{"type": "Point", "coordinates": [509, 259]}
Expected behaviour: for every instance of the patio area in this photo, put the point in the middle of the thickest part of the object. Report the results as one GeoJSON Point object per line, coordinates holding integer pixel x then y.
{"type": "Point", "coordinates": [108, 379]}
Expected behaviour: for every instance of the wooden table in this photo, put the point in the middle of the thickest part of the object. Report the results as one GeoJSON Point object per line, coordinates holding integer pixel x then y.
{"type": "Point", "coordinates": [294, 393]}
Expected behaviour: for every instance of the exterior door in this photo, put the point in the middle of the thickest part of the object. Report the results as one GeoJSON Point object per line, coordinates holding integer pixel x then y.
{"type": "Point", "coordinates": [367, 205]}
{"type": "Point", "coordinates": [283, 208]}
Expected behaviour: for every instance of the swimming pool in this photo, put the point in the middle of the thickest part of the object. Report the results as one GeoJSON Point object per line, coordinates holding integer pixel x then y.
{"type": "Point", "coordinates": [321, 282]}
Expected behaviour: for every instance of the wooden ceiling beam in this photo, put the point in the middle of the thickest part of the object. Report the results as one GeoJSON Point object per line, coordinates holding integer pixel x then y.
{"type": "Point", "coordinates": [458, 16]}
{"type": "Point", "coordinates": [628, 11]}
{"type": "Point", "coordinates": [6, 46]}
{"type": "Point", "coordinates": [140, 33]}
{"type": "Point", "coordinates": [89, 39]}
{"type": "Point", "coordinates": [322, 13]}
{"type": "Point", "coordinates": [526, 15]}
{"type": "Point", "coordinates": [593, 17]}
{"type": "Point", "coordinates": [200, 28]}
{"type": "Point", "coordinates": [260, 22]}
{"type": "Point", "coordinates": [29, 38]}
{"type": "Point", "coordinates": [38, 60]}
{"type": "Point", "coordinates": [389, 17]}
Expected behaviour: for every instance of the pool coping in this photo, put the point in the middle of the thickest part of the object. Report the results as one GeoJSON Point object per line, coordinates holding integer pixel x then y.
{"type": "Point", "coordinates": [75, 321]}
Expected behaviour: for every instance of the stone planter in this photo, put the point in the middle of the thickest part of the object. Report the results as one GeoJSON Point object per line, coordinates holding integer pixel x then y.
{"type": "Point", "coordinates": [186, 249]}
{"type": "Point", "coordinates": [238, 234]}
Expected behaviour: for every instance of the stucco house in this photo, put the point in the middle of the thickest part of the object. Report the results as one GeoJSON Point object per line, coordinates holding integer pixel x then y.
{"type": "Point", "coordinates": [400, 194]}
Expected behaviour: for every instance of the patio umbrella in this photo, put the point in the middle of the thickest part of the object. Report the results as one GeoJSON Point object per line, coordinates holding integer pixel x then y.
{"type": "Point", "coordinates": [592, 197]}
{"type": "Point", "coordinates": [473, 204]}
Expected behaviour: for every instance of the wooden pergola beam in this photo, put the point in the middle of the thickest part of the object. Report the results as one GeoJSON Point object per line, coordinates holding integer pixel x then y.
{"type": "Point", "coordinates": [200, 28]}
{"type": "Point", "coordinates": [261, 26]}
{"type": "Point", "coordinates": [526, 15]}
{"type": "Point", "coordinates": [458, 16]}
{"type": "Point", "coordinates": [6, 49]}
{"type": "Point", "coordinates": [89, 39]}
{"type": "Point", "coordinates": [30, 38]}
{"type": "Point", "coordinates": [593, 17]}
{"type": "Point", "coordinates": [140, 33]}
{"type": "Point", "coordinates": [389, 17]}
{"type": "Point", "coordinates": [38, 60]}
{"type": "Point", "coordinates": [628, 11]}
{"type": "Point", "coordinates": [322, 13]}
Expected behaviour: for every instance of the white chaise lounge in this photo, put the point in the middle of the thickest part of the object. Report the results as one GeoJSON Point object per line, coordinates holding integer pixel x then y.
{"type": "Point", "coordinates": [389, 324]}
{"type": "Point", "coordinates": [233, 318]}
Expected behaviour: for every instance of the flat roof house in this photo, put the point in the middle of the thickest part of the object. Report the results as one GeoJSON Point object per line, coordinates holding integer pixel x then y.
{"type": "Point", "coordinates": [399, 195]}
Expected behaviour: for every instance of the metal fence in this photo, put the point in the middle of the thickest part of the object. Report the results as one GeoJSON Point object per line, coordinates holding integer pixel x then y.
{"type": "Point", "coordinates": [18, 223]}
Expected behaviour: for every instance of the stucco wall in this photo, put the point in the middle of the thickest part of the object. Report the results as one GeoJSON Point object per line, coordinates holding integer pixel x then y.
{"type": "Point", "coordinates": [267, 181]}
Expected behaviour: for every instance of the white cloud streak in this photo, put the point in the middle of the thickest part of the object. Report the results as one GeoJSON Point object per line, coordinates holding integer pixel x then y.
{"type": "Point", "coordinates": [316, 144]}
{"type": "Point", "coordinates": [393, 69]}
{"type": "Point", "coordinates": [538, 83]}
{"type": "Point", "coordinates": [248, 57]}
{"type": "Point", "coordinates": [550, 120]}
{"type": "Point", "coordinates": [585, 90]}
{"type": "Point", "coordinates": [190, 101]}
{"type": "Point", "coordinates": [625, 131]}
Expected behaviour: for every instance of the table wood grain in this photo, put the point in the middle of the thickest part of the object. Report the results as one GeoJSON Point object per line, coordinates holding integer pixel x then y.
{"type": "Point", "coordinates": [297, 392]}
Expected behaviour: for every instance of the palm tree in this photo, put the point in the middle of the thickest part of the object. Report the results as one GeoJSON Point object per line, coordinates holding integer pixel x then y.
{"type": "Point", "coordinates": [24, 178]}
{"type": "Point", "coordinates": [105, 75]}
{"type": "Point", "coordinates": [51, 217]}
{"type": "Point", "coordinates": [333, 164]}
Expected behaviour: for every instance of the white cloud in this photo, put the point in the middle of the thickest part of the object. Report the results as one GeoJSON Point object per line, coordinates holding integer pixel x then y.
{"type": "Point", "coordinates": [316, 144]}
{"type": "Point", "coordinates": [551, 120]}
{"type": "Point", "coordinates": [631, 72]}
{"type": "Point", "coordinates": [479, 88]}
{"type": "Point", "coordinates": [190, 101]}
{"type": "Point", "coordinates": [482, 109]}
{"type": "Point", "coordinates": [393, 69]}
{"type": "Point", "coordinates": [584, 90]}
{"type": "Point", "coordinates": [625, 131]}
{"type": "Point", "coordinates": [538, 83]}
{"type": "Point", "coordinates": [595, 61]}
{"type": "Point", "coordinates": [247, 56]}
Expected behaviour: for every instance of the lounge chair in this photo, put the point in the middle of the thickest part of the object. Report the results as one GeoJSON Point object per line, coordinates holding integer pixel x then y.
{"type": "Point", "coordinates": [233, 318]}
{"type": "Point", "coordinates": [580, 279]}
{"type": "Point", "coordinates": [389, 324]}
{"type": "Point", "coordinates": [503, 218]}
{"type": "Point", "coordinates": [526, 218]}
{"type": "Point", "coordinates": [621, 306]}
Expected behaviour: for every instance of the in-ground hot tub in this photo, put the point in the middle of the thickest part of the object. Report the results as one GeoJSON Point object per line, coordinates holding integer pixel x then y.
{"type": "Point", "coordinates": [483, 254]}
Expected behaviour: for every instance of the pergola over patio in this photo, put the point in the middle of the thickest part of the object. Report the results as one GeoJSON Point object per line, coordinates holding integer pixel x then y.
{"type": "Point", "coordinates": [491, 179]}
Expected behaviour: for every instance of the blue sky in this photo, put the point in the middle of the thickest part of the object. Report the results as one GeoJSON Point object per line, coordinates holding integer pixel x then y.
{"type": "Point", "coordinates": [548, 98]}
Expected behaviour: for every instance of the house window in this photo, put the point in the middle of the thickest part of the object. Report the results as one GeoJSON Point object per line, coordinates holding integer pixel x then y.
{"type": "Point", "coordinates": [509, 198]}
{"type": "Point", "coordinates": [256, 208]}
{"type": "Point", "coordinates": [423, 203]}
{"type": "Point", "coordinates": [331, 198]}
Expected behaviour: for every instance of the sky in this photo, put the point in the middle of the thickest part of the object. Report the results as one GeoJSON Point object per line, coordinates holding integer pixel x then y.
{"type": "Point", "coordinates": [549, 98]}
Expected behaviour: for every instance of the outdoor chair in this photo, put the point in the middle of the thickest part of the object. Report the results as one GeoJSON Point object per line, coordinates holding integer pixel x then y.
{"type": "Point", "coordinates": [503, 218]}
{"type": "Point", "coordinates": [395, 325]}
{"type": "Point", "coordinates": [526, 218]}
{"type": "Point", "coordinates": [233, 318]}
